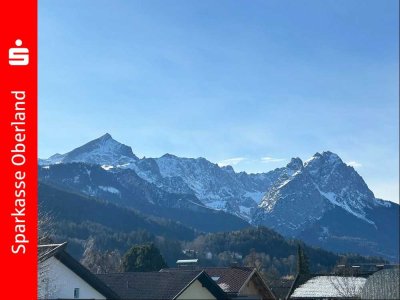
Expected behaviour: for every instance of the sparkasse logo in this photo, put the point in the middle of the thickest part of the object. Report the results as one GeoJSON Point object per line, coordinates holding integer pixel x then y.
{"type": "Point", "coordinates": [18, 56]}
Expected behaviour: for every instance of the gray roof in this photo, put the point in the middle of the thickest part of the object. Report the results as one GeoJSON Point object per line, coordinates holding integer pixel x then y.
{"type": "Point", "coordinates": [157, 285]}
{"type": "Point", "coordinates": [232, 279]}
{"type": "Point", "coordinates": [384, 284]}
{"type": "Point", "coordinates": [322, 286]}
{"type": "Point", "coordinates": [330, 287]}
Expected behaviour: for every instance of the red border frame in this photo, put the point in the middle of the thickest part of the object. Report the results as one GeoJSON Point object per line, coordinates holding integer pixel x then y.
{"type": "Point", "coordinates": [18, 20]}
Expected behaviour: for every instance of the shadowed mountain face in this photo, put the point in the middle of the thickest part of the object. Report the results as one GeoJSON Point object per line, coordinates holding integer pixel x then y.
{"type": "Point", "coordinates": [124, 188]}
{"type": "Point", "coordinates": [322, 201]}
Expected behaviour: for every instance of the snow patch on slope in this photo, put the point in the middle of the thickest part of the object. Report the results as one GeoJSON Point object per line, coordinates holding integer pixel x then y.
{"type": "Point", "coordinates": [332, 198]}
{"type": "Point", "coordinates": [110, 189]}
{"type": "Point", "coordinates": [256, 196]}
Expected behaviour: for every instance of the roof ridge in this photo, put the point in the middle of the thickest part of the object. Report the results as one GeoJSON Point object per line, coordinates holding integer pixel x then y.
{"type": "Point", "coordinates": [58, 248]}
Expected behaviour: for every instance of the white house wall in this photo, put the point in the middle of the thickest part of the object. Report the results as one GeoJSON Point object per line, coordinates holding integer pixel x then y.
{"type": "Point", "coordinates": [251, 290]}
{"type": "Point", "coordinates": [196, 291]}
{"type": "Point", "coordinates": [59, 281]}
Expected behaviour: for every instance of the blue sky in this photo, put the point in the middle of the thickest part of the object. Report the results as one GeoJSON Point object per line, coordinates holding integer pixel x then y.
{"type": "Point", "coordinates": [250, 83]}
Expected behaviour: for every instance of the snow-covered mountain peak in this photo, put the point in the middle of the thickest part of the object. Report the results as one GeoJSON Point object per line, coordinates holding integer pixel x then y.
{"type": "Point", "coordinates": [325, 158]}
{"type": "Point", "coordinates": [325, 178]}
{"type": "Point", "coordinates": [340, 184]}
{"type": "Point", "coordinates": [331, 158]}
{"type": "Point", "coordinates": [105, 137]}
{"type": "Point", "coordinates": [168, 155]}
{"type": "Point", "coordinates": [229, 169]}
{"type": "Point", "coordinates": [322, 182]}
{"type": "Point", "coordinates": [101, 151]}
{"type": "Point", "coordinates": [295, 164]}
{"type": "Point", "coordinates": [56, 156]}
{"type": "Point", "coordinates": [300, 199]}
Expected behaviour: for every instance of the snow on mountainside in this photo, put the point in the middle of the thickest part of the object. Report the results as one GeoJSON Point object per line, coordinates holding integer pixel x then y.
{"type": "Point", "coordinates": [102, 151]}
{"type": "Point", "coordinates": [292, 202]}
{"type": "Point", "coordinates": [218, 188]}
{"type": "Point", "coordinates": [324, 180]}
{"type": "Point", "coordinates": [327, 203]}
{"type": "Point", "coordinates": [322, 201]}
{"type": "Point", "coordinates": [325, 177]}
{"type": "Point", "coordinates": [341, 184]}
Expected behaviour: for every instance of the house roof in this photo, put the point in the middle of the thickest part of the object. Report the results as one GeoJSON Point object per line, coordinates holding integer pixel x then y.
{"type": "Point", "coordinates": [308, 286]}
{"type": "Point", "coordinates": [58, 251]}
{"type": "Point", "coordinates": [49, 250]}
{"type": "Point", "coordinates": [384, 284]}
{"type": "Point", "coordinates": [187, 261]}
{"type": "Point", "coordinates": [232, 279]}
{"type": "Point", "coordinates": [158, 285]}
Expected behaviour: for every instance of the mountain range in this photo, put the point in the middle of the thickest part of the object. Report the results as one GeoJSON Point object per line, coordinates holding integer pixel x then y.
{"type": "Point", "coordinates": [322, 201]}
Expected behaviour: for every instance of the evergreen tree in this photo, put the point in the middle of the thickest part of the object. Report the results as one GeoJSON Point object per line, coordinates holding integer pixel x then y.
{"type": "Point", "coordinates": [143, 258]}
{"type": "Point", "coordinates": [302, 261]}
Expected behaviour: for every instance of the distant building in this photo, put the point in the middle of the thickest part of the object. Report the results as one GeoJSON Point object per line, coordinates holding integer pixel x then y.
{"type": "Point", "coordinates": [63, 277]}
{"type": "Point", "coordinates": [190, 252]}
{"type": "Point", "coordinates": [237, 255]}
{"type": "Point", "coordinates": [188, 264]}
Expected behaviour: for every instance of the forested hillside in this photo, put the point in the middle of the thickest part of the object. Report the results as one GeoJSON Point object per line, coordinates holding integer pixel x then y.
{"type": "Point", "coordinates": [89, 222]}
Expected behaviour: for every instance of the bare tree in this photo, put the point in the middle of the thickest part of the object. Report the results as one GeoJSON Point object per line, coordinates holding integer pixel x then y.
{"type": "Point", "coordinates": [255, 260]}
{"type": "Point", "coordinates": [346, 283]}
{"type": "Point", "coordinates": [46, 286]}
{"type": "Point", "coordinates": [100, 262]}
{"type": "Point", "coordinates": [45, 228]}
